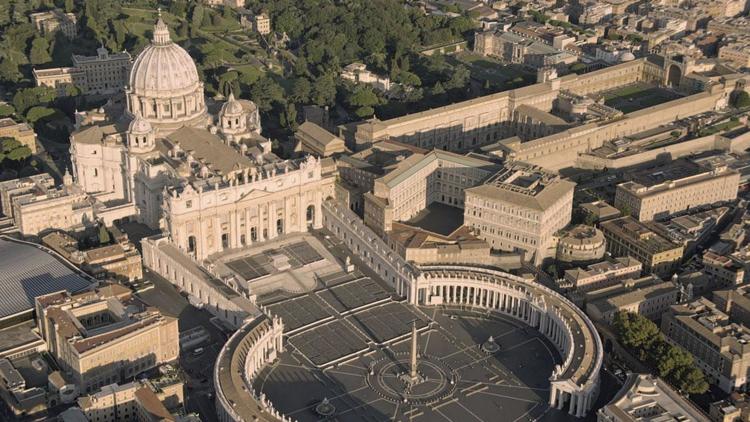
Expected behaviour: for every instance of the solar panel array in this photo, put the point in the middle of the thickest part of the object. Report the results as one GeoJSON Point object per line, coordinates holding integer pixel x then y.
{"type": "Point", "coordinates": [28, 272]}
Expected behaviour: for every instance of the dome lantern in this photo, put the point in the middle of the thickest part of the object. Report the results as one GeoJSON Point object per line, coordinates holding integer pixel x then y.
{"type": "Point", "coordinates": [161, 32]}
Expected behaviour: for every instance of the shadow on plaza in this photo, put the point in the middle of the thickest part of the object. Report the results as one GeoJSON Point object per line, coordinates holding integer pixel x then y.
{"type": "Point", "coordinates": [530, 363]}
{"type": "Point", "coordinates": [296, 394]}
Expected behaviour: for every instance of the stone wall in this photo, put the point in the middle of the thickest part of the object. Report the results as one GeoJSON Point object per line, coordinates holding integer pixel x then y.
{"type": "Point", "coordinates": [561, 150]}
{"type": "Point", "coordinates": [369, 247]}
{"type": "Point", "coordinates": [161, 257]}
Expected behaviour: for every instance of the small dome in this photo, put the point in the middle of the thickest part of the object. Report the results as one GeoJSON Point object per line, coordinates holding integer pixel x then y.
{"type": "Point", "coordinates": [232, 107]}
{"type": "Point", "coordinates": [627, 57]}
{"type": "Point", "coordinates": [139, 125]}
{"type": "Point", "coordinates": [163, 69]}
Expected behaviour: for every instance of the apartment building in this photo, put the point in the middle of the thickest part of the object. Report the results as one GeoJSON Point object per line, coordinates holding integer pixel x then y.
{"type": "Point", "coordinates": [627, 236]}
{"type": "Point", "coordinates": [720, 347]}
{"type": "Point", "coordinates": [603, 274]}
{"type": "Point", "coordinates": [104, 337]}
{"type": "Point", "coordinates": [678, 186]}
{"type": "Point", "coordinates": [649, 296]}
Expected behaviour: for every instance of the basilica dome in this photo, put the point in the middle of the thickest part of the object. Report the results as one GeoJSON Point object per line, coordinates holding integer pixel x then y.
{"type": "Point", "coordinates": [163, 68]}
{"type": "Point", "coordinates": [164, 87]}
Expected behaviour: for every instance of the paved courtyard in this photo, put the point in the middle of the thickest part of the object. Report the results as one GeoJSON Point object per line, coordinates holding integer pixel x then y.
{"type": "Point", "coordinates": [357, 362]}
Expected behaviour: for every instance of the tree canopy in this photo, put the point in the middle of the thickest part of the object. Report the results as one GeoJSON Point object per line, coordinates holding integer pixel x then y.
{"type": "Point", "coordinates": [642, 337]}
{"type": "Point", "coordinates": [741, 99]}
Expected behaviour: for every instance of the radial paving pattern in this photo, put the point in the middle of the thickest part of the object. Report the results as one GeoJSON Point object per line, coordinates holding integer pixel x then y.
{"type": "Point", "coordinates": [459, 380]}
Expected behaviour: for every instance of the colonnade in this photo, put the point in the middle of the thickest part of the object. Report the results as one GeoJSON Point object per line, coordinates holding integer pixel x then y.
{"type": "Point", "coordinates": [575, 382]}
{"type": "Point", "coordinates": [515, 303]}
{"type": "Point", "coordinates": [370, 248]}
{"type": "Point", "coordinates": [266, 344]}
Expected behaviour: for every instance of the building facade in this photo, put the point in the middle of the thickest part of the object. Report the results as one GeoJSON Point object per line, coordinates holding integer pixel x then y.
{"type": "Point", "coordinates": [135, 400]}
{"type": "Point", "coordinates": [720, 347]}
{"type": "Point", "coordinates": [102, 74]}
{"type": "Point", "coordinates": [603, 274]}
{"type": "Point", "coordinates": [420, 180]}
{"type": "Point", "coordinates": [649, 296]}
{"type": "Point", "coordinates": [55, 20]}
{"type": "Point", "coordinates": [627, 236]}
{"type": "Point", "coordinates": [514, 48]}
{"type": "Point", "coordinates": [21, 132]}
{"type": "Point", "coordinates": [104, 337]}
{"type": "Point", "coordinates": [675, 187]}
{"type": "Point", "coordinates": [520, 209]}
{"type": "Point", "coordinates": [35, 204]}
{"type": "Point", "coordinates": [581, 244]}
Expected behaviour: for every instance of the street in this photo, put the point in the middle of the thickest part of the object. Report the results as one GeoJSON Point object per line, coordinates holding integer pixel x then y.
{"type": "Point", "coordinates": [198, 367]}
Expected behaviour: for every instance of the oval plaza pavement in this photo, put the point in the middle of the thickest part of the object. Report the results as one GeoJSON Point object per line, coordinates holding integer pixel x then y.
{"type": "Point", "coordinates": [349, 349]}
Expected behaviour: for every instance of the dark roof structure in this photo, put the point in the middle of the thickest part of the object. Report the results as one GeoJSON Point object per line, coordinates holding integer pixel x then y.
{"type": "Point", "coordinates": [28, 271]}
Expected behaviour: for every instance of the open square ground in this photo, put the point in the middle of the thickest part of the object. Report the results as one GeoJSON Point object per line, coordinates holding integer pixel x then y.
{"type": "Point", "coordinates": [638, 96]}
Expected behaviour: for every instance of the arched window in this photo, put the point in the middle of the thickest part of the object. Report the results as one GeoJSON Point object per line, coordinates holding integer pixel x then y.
{"type": "Point", "coordinates": [310, 215]}
{"type": "Point", "coordinates": [191, 244]}
{"type": "Point", "coordinates": [280, 226]}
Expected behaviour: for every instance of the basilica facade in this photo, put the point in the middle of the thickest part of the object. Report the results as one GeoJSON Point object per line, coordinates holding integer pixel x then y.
{"type": "Point", "coordinates": [200, 172]}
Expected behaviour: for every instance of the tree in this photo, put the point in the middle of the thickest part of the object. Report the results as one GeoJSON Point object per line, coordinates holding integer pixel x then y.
{"type": "Point", "coordinates": [9, 70]}
{"type": "Point", "coordinates": [690, 380]}
{"type": "Point", "coordinates": [13, 150]}
{"type": "Point", "coordinates": [577, 67]}
{"type": "Point", "coordinates": [265, 92]}
{"type": "Point", "coordinates": [361, 96]}
{"type": "Point", "coordinates": [670, 359]}
{"type": "Point", "coordinates": [635, 331]}
{"type": "Point", "coordinates": [301, 90]}
{"type": "Point", "coordinates": [408, 78]}
{"type": "Point", "coordinates": [6, 110]}
{"type": "Point", "coordinates": [459, 78]}
{"type": "Point", "coordinates": [437, 89]}
{"type": "Point", "coordinates": [324, 90]}
{"type": "Point", "coordinates": [625, 209]}
{"type": "Point", "coordinates": [196, 17]}
{"type": "Point", "coordinates": [228, 83]}
{"type": "Point", "coordinates": [741, 99]}
{"type": "Point", "coordinates": [289, 118]}
{"type": "Point", "coordinates": [182, 30]}
{"type": "Point", "coordinates": [364, 112]}
{"type": "Point", "coordinates": [39, 112]}
{"type": "Point", "coordinates": [69, 6]}
{"type": "Point", "coordinates": [26, 98]}
{"type": "Point", "coordinates": [178, 8]}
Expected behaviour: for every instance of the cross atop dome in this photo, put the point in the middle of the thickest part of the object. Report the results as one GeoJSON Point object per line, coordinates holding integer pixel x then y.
{"type": "Point", "coordinates": [161, 32]}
